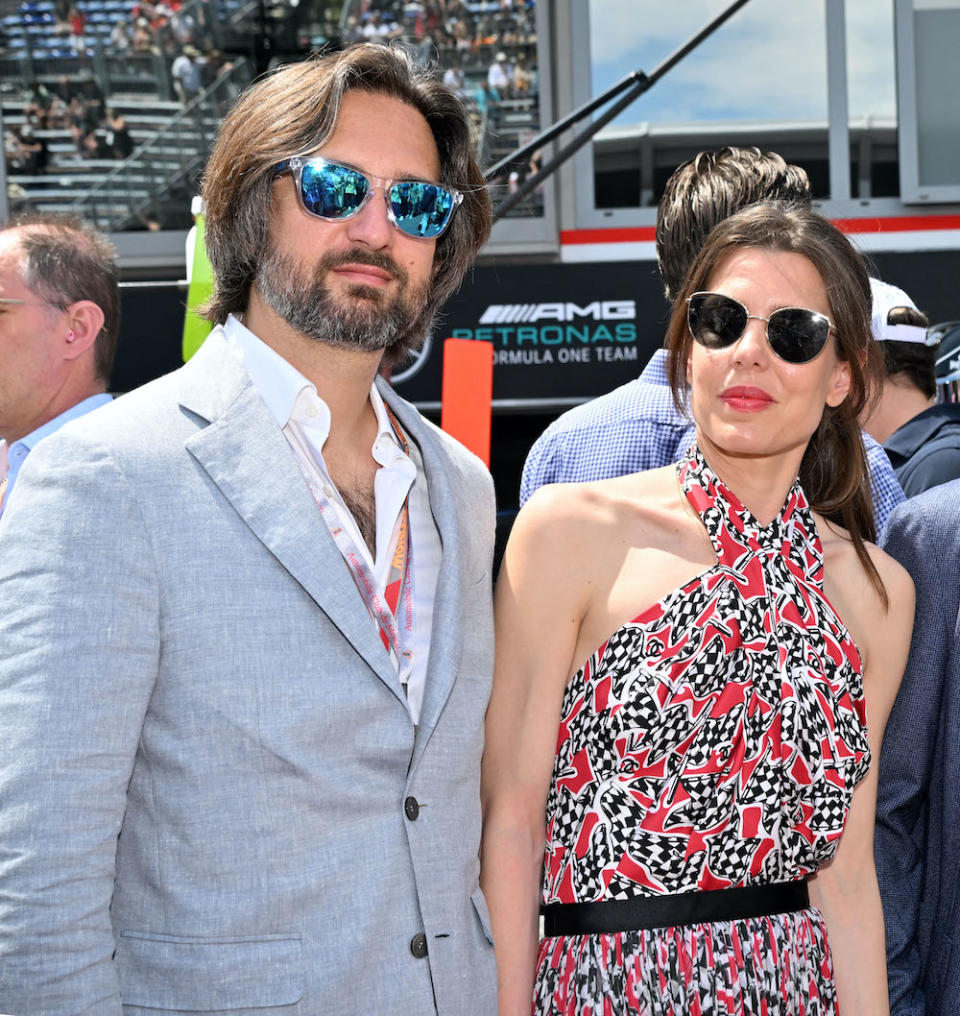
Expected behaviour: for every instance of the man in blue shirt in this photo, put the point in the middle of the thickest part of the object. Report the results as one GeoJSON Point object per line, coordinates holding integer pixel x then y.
{"type": "Point", "coordinates": [636, 426]}
{"type": "Point", "coordinates": [59, 317]}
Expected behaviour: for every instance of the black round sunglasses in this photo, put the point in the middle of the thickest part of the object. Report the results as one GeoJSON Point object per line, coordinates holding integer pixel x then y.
{"type": "Point", "coordinates": [795, 334]}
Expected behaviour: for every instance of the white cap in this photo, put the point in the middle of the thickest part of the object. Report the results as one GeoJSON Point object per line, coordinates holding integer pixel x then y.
{"type": "Point", "coordinates": [885, 298]}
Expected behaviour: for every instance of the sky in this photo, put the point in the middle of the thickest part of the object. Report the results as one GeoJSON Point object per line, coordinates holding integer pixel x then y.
{"type": "Point", "coordinates": [767, 62]}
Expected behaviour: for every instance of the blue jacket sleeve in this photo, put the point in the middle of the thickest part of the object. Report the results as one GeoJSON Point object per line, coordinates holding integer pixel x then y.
{"type": "Point", "coordinates": [909, 744]}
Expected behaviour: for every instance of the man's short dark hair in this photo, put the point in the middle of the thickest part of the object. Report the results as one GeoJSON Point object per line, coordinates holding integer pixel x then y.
{"type": "Point", "coordinates": [912, 362]}
{"type": "Point", "coordinates": [293, 111]}
{"type": "Point", "coordinates": [66, 260]}
{"type": "Point", "coordinates": [709, 188]}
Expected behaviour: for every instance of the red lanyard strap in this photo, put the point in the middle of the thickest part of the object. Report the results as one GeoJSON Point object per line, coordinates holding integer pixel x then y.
{"type": "Point", "coordinates": [392, 612]}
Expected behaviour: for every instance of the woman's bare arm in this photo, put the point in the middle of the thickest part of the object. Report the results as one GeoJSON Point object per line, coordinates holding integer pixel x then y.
{"type": "Point", "coordinates": [542, 594]}
{"type": "Point", "coordinates": [845, 889]}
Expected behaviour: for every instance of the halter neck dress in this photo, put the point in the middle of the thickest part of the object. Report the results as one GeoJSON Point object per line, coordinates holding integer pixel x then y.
{"type": "Point", "coordinates": [715, 741]}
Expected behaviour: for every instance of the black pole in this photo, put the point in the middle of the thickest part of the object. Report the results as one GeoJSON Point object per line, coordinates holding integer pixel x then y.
{"type": "Point", "coordinates": [561, 125]}
{"type": "Point", "coordinates": [637, 82]}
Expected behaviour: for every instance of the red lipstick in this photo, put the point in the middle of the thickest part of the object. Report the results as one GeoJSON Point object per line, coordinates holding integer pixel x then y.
{"type": "Point", "coordinates": [747, 398]}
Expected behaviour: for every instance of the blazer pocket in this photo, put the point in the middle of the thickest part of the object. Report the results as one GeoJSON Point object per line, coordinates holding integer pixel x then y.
{"type": "Point", "coordinates": [197, 974]}
{"type": "Point", "coordinates": [480, 906]}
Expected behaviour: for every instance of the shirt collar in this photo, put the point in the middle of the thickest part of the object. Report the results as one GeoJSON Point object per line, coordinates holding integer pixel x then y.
{"type": "Point", "coordinates": [277, 380]}
{"type": "Point", "coordinates": [655, 372]}
{"type": "Point", "coordinates": [290, 396]}
{"type": "Point", "coordinates": [386, 445]}
{"type": "Point", "coordinates": [920, 429]}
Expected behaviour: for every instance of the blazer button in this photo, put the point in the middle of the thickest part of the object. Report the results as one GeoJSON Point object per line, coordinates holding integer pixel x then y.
{"type": "Point", "coordinates": [418, 945]}
{"type": "Point", "coordinates": [411, 808]}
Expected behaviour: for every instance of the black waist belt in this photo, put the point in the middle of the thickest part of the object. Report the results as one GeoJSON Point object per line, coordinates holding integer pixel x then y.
{"type": "Point", "coordinates": [646, 912]}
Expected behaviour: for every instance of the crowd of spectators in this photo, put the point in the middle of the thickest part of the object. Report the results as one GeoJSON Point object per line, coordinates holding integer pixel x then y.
{"type": "Point", "coordinates": [75, 104]}
{"type": "Point", "coordinates": [169, 29]}
{"type": "Point", "coordinates": [486, 52]}
{"type": "Point", "coordinates": [443, 23]}
{"type": "Point", "coordinates": [454, 33]}
{"type": "Point", "coordinates": [161, 27]}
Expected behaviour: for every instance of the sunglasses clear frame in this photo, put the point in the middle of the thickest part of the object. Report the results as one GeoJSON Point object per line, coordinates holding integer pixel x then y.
{"type": "Point", "coordinates": [813, 316]}
{"type": "Point", "coordinates": [296, 165]}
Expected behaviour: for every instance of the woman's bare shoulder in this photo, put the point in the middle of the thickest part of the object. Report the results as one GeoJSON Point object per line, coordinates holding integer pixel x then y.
{"type": "Point", "coordinates": [843, 565]}
{"type": "Point", "coordinates": [599, 503]}
{"type": "Point", "coordinates": [568, 531]}
{"type": "Point", "coordinates": [880, 622]}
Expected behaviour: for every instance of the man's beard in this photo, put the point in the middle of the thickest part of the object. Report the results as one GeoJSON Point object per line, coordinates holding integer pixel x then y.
{"type": "Point", "coordinates": [365, 319]}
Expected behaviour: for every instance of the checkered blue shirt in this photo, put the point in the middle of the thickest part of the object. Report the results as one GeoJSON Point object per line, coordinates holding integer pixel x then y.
{"type": "Point", "coordinates": [637, 427]}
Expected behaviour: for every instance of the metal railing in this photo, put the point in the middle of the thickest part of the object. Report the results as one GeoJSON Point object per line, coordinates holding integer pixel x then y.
{"type": "Point", "coordinates": [168, 163]}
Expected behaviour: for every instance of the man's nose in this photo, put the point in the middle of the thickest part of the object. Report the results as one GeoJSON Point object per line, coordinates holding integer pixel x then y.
{"type": "Point", "coordinates": [371, 225]}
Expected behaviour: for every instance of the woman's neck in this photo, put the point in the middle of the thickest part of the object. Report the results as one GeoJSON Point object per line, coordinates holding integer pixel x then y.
{"type": "Point", "coordinates": [761, 482]}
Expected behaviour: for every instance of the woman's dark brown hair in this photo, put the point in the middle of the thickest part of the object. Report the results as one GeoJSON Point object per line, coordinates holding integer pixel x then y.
{"type": "Point", "coordinates": [834, 472]}
{"type": "Point", "coordinates": [293, 111]}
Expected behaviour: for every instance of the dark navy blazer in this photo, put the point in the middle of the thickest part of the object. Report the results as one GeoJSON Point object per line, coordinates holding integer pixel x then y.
{"type": "Point", "coordinates": [918, 809]}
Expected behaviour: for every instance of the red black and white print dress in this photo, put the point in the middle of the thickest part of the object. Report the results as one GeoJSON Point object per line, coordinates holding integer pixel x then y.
{"type": "Point", "coordinates": [713, 742]}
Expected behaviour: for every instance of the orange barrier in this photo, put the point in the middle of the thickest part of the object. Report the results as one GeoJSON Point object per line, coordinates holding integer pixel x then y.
{"type": "Point", "coordinates": [467, 394]}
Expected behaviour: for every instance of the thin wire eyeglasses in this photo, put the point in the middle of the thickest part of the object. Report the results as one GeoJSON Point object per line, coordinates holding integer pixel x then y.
{"type": "Point", "coordinates": [33, 303]}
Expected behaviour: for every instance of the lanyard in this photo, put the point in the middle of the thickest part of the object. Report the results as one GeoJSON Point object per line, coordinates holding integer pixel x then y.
{"type": "Point", "coordinates": [392, 611]}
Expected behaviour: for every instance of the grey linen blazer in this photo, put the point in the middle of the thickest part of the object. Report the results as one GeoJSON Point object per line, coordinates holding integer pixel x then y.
{"type": "Point", "coordinates": [212, 797]}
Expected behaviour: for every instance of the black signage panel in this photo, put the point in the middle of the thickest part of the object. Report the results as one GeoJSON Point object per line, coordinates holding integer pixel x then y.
{"type": "Point", "coordinates": [150, 342]}
{"type": "Point", "coordinates": [558, 331]}
{"type": "Point", "coordinates": [929, 278]}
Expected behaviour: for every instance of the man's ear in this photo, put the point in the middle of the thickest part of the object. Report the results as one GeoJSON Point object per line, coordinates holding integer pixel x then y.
{"type": "Point", "coordinates": [84, 322]}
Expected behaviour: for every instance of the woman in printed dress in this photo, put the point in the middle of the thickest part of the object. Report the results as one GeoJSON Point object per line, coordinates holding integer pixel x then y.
{"type": "Point", "coordinates": [694, 669]}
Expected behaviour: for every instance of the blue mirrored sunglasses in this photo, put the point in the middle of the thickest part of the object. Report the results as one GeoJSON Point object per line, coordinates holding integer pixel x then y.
{"type": "Point", "coordinates": [331, 191]}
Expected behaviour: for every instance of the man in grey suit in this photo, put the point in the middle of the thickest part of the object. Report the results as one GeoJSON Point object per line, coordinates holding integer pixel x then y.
{"type": "Point", "coordinates": [245, 640]}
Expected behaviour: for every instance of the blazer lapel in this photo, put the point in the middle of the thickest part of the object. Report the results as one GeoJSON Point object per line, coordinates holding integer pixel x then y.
{"type": "Point", "coordinates": [446, 639]}
{"type": "Point", "coordinates": [246, 455]}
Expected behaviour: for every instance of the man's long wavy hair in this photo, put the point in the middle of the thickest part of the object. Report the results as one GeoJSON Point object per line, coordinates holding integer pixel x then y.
{"type": "Point", "coordinates": [834, 472]}
{"type": "Point", "coordinates": [293, 111]}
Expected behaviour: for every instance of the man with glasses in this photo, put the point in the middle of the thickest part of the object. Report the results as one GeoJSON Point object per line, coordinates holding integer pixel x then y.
{"type": "Point", "coordinates": [59, 316]}
{"type": "Point", "coordinates": [240, 773]}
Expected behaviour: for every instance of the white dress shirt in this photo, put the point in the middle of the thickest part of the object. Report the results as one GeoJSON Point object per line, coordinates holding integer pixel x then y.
{"type": "Point", "coordinates": [304, 419]}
